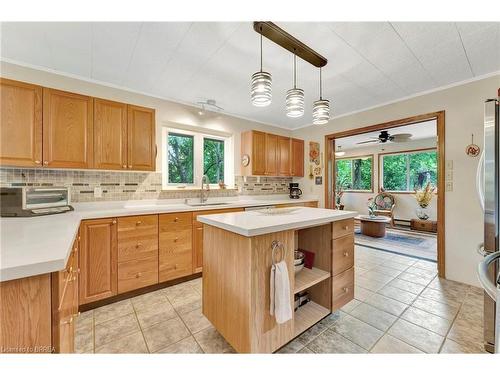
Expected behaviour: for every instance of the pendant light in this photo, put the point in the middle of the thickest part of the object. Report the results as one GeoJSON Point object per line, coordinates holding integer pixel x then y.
{"type": "Point", "coordinates": [261, 91]}
{"type": "Point", "coordinates": [295, 96]}
{"type": "Point", "coordinates": [321, 107]}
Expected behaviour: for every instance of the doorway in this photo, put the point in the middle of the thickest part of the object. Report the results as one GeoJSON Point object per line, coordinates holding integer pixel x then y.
{"type": "Point", "coordinates": [356, 170]}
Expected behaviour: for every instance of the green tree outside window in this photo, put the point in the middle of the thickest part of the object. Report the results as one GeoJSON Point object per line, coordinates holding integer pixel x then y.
{"type": "Point", "coordinates": [355, 174]}
{"type": "Point", "coordinates": [180, 158]}
{"type": "Point", "coordinates": [213, 159]}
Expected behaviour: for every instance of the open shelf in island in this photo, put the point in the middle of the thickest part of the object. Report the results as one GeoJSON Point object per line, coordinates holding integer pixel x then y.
{"type": "Point", "coordinates": [307, 278]}
{"type": "Point", "coordinates": [308, 315]}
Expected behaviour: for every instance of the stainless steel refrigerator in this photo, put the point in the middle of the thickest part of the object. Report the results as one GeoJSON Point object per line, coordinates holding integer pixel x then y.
{"type": "Point", "coordinates": [489, 193]}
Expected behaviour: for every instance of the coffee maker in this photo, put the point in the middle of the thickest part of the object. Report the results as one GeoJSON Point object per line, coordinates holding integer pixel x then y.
{"type": "Point", "coordinates": [295, 192]}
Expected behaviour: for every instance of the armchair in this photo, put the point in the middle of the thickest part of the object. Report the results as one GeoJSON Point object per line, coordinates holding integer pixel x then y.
{"type": "Point", "coordinates": [384, 206]}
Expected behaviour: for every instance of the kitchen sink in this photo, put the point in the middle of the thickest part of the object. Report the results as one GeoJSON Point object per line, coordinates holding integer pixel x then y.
{"type": "Point", "coordinates": [208, 204]}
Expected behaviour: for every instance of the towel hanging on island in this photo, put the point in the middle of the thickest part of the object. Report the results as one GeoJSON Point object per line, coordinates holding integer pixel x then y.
{"type": "Point", "coordinates": [280, 306]}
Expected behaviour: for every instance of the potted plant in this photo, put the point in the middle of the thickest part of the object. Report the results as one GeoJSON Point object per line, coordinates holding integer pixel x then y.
{"type": "Point", "coordinates": [339, 192]}
{"type": "Point", "coordinates": [423, 197]}
{"type": "Point", "coordinates": [371, 207]}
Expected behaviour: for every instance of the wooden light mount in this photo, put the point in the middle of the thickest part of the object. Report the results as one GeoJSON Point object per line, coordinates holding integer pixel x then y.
{"type": "Point", "coordinates": [290, 43]}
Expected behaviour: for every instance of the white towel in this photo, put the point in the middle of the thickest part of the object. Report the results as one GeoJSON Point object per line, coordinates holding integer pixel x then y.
{"type": "Point", "coordinates": [280, 306]}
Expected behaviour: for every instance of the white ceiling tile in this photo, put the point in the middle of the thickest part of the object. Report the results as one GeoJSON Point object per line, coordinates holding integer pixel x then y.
{"type": "Point", "coordinates": [425, 35]}
{"type": "Point", "coordinates": [483, 48]}
{"type": "Point", "coordinates": [112, 48]}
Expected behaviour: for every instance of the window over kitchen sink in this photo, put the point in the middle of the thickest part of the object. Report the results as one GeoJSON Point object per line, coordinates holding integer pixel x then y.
{"type": "Point", "coordinates": [188, 155]}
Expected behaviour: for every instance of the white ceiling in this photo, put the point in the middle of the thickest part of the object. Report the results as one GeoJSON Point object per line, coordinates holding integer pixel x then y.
{"type": "Point", "coordinates": [370, 63]}
{"type": "Point", "coordinates": [419, 131]}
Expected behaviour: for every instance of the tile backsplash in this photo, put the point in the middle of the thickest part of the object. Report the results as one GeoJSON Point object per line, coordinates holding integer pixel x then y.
{"type": "Point", "coordinates": [119, 186]}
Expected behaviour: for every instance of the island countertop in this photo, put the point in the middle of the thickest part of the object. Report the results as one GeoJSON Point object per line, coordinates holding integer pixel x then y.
{"type": "Point", "coordinates": [255, 223]}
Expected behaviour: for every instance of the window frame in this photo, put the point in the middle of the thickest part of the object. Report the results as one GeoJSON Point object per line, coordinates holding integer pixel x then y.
{"type": "Point", "coordinates": [372, 156]}
{"type": "Point", "coordinates": [198, 167]}
{"type": "Point", "coordinates": [407, 152]}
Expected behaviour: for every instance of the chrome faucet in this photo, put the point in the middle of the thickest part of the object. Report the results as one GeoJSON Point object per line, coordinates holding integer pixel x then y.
{"type": "Point", "coordinates": [204, 181]}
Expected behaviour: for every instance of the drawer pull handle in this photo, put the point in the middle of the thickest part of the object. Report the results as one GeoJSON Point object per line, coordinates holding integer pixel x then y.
{"type": "Point", "coordinates": [345, 290]}
{"type": "Point", "coordinates": [38, 162]}
{"type": "Point", "coordinates": [69, 321]}
{"type": "Point", "coordinates": [124, 166]}
{"type": "Point", "coordinates": [138, 245]}
{"type": "Point", "coordinates": [77, 314]}
{"type": "Point", "coordinates": [176, 239]}
{"type": "Point", "coordinates": [138, 222]}
{"type": "Point", "coordinates": [176, 219]}
{"type": "Point", "coordinates": [346, 227]}
{"type": "Point", "coordinates": [139, 274]}
{"type": "Point", "coordinates": [346, 254]}
{"type": "Point", "coordinates": [113, 222]}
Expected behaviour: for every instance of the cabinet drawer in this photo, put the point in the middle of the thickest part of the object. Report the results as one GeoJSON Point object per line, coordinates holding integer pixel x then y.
{"type": "Point", "coordinates": [180, 239]}
{"type": "Point", "coordinates": [138, 273]}
{"type": "Point", "coordinates": [174, 222]}
{"type": "Point", "coordinates": [343, 254]}
{"type": "Point", "coordinates": [342, 288]}
{"type": "Point", "coordinates": [132, 227]}
{"type": "Point", "coordinates": [175, 262]}
{"type": "Point", "coordinates": [342, 228]}
{"type": "Point", "coordinates": [137, 248]}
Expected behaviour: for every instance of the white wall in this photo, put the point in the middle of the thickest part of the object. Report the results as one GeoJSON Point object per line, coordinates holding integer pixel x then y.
{"type": "Point", "coordinates": [405, 203]}
{"type": "Point", "coordinates": [464, 115]}
{"type": "Point", "coordinates": [167, 113]}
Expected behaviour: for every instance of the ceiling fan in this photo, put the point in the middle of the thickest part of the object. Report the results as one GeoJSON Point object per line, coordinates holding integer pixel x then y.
{"type": "Point", "coordinates": [384, 136]}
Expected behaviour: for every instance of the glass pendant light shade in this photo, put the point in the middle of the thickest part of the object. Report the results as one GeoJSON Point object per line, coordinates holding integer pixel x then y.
{"type": "Point", "coordinates": [321, 112]}
{"type": "Point", "coordinates": [295, 102]}
{"type": "Point", "coordinates": [294, 97]}
{"type": "Point", "coordinates": [261, 89]}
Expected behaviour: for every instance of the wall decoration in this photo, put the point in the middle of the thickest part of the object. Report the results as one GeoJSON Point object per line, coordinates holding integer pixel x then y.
{"type": "Point", "coordinates": [315, 160]}
{"type": "Point", "coordinates": [313, 151]}
{"type": "Point", "coordinates": [473, 150]}
{"type": "Point", "coordinates": [318, 180]}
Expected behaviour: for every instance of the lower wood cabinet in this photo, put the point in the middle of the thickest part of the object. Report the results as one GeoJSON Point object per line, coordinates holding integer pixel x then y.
{"type": "Point", "coordinates": [175, 246]}
{"type": "Point", "coordinates": [98, 260]}
{"type": "Point", "coordinates": [342, 262]}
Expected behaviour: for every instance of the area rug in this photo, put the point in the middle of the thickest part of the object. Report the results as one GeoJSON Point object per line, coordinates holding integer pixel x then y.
{"type": "Point", "coordinates": [416, 244]}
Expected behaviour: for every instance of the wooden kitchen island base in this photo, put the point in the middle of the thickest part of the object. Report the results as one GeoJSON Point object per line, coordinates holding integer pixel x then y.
{"type": "Point", "coordinates": [236, 282]}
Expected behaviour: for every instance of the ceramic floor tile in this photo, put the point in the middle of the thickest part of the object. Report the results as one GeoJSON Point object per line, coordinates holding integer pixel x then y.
{"type": "Point", "coordinates": [148, 300]}
{"type": "Point", "coordinates": [165, 333]}
{"type": "Point", "coordinates": [112, 311]}
{"type": "Point", "coordinates": [452, 347]}
{"type": "Point", "coordinates": [114, 329]}
{"type": "Point", "coordinates": [332, 342]}
{"type": "Point", "coordinates": [431, 266]}
{"type": "Point", "coordinates": [350, 305]}
{"type": "Point", "coordinates": [391, 345]}
{"type": "Point", "coordinates": [211, 341]}
{"type": "Point", "coordinates": [179, 292]}
{"type": "Point", "coordinates": [357, 331]}
{"type": "Point", "coordinates": [362, 294]}
{"type": "Point", "coordinates": [373, 316]}
{"type": "Point", "coordinates": [292, 347]}
{"type": "Point", "coordinates": [422, 272]}
{"type": "Point", "coordinates": [387, 304]}
{"type": "Point", "coordinates": [378, 276]}
{"type": "Point", "coordinates": [387, 271]}
{"type": "Point", "coordinates": [85, 318]}
{"type": "Point", "coordinates": [437, 308]}
{"type": "Point", "coordinates": [397, 294]}
{"type": "Point", "coordinates": [305, 351]}
{"type": "Point", "coordinates": [427, 320]}
{"type": "Point", "coordinates": [133, 343]}
{"type": "Point", "coordinates": [185, 346]}
{"type": "Point", "coordinates": [317, 329]}
{"type": "Point", "coordinates": [185, 305]}
{"type": "Point", "coordinates": [453, 298]}
{"type": "Point", "coordinates": [395, 265]}
{"type": "Point", "coordinates": [195, 320]}
{"type": "Point", "coordinates": [466, 331]}
{"type": "Point", "coordinates": [439, 283]}
{"type": "Point", "coordinates": [417, 279]}
{"type": "Point", "coordinates": [155, 313]}
{"type": "Point", "coordinates": [84, 338]}
{"type": "Point", "coordinates": [407, 286]}
{"type": "Point", "coordinates": [401, 259]}
{"type": "Point", "coordinates": [416, 336]}
{"type": "Point", "coordinates": [370, 284]}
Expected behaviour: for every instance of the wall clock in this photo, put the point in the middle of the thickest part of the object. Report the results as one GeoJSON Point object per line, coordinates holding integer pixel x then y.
{"type": "Point", "coordinates": [245, 160]}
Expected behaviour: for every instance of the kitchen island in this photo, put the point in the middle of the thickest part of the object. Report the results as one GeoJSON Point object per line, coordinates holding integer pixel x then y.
{"type": "Point", "coordinates": [237, 264]}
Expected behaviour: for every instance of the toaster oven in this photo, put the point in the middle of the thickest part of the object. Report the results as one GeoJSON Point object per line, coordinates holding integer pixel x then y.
{"type": "Point", "coordinates": [34, 201]}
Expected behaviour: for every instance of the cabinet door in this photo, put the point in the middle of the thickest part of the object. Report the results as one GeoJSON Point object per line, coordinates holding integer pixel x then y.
{"type": "Point", "coordinates": [297, 157]}
{"type": "Point", "coordinates": [141, 138]}
{"type": "Point", "coordinates": [284, 165]}
{"type": "Point", "coordinates": [21, 119]}
{"type": "Point", "coordinates": [258, 157]}
{"type": "Point", "coordinates": [110, 134]}
{"type": "Point", "coordinates": [67, 130]}
{"type": "Point", "coordinates": [98, 260]}
{"type": "Point", "coordinates": [271, 155]}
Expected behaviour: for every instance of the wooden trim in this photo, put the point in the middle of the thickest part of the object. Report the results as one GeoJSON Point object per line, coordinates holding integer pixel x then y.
{"type": "Point", "coordinates": [372, 174]}
{"type": "Point", "coordinates": [439, 116]}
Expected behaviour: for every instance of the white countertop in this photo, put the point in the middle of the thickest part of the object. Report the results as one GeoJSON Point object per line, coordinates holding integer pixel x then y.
{"type": "Point", "coordinates": [254, 223]}
{"type": "Point", "coordinates": [36, 245]}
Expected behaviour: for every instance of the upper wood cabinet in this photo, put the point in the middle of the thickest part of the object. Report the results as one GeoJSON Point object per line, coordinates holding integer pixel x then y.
{"type": "Point", "coordinates": [110, 134]}
{"type": "Point", "coordinates": [271, 155]}
{"type": "Point", "coordinates": [98, 260]}
{"type": "Point", "coordinates": [284, 164]}
{"type": "Point", "coordinates": [141, 138]}
{"type": "Point", "coordinates": [21, 124]}
{"type": "Point", "coordinates": [297, 150]}
{"type": "Point", "coordinates": [67, 130]}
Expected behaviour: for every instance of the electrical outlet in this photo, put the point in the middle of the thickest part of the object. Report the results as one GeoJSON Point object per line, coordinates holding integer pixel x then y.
{"type": "Point", "coordinates": [449, 175]}
{"type": "Point", "coordinates": [97, 192]}
{"type": "Point", "coordinates": [449, 165]}
{"type": "Point", "coordinates": [449, 186]}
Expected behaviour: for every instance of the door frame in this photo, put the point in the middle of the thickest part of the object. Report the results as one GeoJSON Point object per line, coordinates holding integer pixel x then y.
{"type": "Point", "coordinates": [439, 116]}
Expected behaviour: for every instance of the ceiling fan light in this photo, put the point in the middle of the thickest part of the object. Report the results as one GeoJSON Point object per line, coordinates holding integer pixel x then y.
{"type": "Point", "coordinates": [321, 112]}
{"type": "Point", "coordinates": [294, 102]}
{"type": "Point", "coordinates": [261, 91]}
